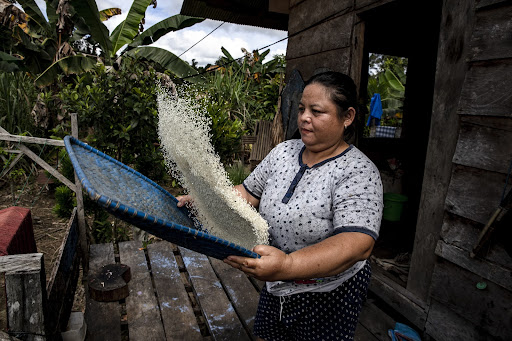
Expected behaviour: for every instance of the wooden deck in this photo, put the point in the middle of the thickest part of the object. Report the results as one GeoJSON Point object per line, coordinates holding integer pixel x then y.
{"type": "Point", "coordinates": [178, 294]}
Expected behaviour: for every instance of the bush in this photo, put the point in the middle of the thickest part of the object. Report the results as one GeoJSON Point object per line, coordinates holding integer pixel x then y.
{"type": "Point", "coordinates": [117, 114]}
{"type": "Point", "coordinates": [65, 201]}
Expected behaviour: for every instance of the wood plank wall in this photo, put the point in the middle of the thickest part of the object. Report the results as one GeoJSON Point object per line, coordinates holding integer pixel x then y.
{"type": "Point", "coordinates": [320, 36]}
{"type": "Point", "coordinates": [460, 310]}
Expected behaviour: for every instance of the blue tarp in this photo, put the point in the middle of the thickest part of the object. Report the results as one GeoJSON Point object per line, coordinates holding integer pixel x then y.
{"type": "Point", "coordinates": [375, 110]}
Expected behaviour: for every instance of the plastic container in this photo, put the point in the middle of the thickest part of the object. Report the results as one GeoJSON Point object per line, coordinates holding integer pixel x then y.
{"type": "Point", "coordinates": [393, 206]}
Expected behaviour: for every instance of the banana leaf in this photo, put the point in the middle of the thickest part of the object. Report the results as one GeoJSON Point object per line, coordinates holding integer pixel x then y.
{"type": "Point", "coordinates": [88, 10]}
{"type": "Point", "coordinates": [174, 23]}
{"type": "Point", "coordinates": [8, 63]}
{"type": "Point", "coordinates": [109, 13]}
{"type": "Point", "coordinates": [393, 81]}
{"type": "Point", "coordinates": [32, 10]}
{"type": "Point", "coordinates": [67, 65]}
{"type": "Point", "coordinates": [125, 32]}
{"type": "Point", "coordinates": [167, 60]}
{"type": "Point", "coordinates": [226, 53]}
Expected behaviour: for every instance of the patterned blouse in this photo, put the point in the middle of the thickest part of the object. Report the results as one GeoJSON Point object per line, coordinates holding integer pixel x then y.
{"type": "Point", "coordinates": [304, 205]}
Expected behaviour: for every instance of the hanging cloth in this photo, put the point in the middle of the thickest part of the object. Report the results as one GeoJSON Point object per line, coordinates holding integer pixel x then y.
{"type": "Point", "coordinates": [375, 110]}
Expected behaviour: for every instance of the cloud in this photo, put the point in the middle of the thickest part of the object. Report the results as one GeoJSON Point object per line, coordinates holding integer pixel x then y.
{"type": "Point", "coordinates": [206, 52]}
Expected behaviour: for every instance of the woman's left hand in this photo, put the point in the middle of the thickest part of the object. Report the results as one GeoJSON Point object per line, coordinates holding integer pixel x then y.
{"type": "Point", "coordinates": [274, 264]}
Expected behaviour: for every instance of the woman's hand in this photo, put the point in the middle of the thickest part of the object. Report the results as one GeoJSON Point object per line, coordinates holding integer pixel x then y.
{"type": "Point", "coordinates": [272, 266]}
{"type": "Point", "coordinates": [183, 200]}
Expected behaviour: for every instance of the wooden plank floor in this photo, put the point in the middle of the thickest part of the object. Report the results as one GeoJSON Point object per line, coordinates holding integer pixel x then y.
{"type": "Point", "coordinates": [179, 294]}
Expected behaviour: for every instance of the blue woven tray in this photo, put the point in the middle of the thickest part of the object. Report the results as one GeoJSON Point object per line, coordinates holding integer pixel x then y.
{"type": "Point", "coordinates": [134, 198]}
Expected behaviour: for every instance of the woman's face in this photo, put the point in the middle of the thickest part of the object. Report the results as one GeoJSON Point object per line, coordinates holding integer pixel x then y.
{"type": "Point", "coordinates": [318, 121]}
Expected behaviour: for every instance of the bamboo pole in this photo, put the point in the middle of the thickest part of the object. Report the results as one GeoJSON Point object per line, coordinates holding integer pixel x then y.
{"type": "Point", "coordinates": [84, 245]}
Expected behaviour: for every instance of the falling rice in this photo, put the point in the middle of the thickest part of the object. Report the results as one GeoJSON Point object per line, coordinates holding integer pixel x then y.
{"type": "Point", "coordinates": [184, 133]}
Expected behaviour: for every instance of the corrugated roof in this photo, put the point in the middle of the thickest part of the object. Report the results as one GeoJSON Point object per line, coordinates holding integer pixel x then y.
{"type": "Point", "coordinates": [244, 12]}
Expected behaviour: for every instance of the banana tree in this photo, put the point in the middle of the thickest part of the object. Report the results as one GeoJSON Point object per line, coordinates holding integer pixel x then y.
{"type": "Point", "coordinates": [44, 47]}
{"type": "Point", "coordinates": [125, 34]}
{"type": "Point", "coordinates": [390, 86]}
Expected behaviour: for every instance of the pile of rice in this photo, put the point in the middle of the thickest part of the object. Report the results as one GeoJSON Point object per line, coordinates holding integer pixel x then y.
{"type": "Point", "coordinates": [184, 134]}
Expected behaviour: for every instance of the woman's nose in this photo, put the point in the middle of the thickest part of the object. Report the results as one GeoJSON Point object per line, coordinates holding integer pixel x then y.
{"type": "Point", "coordinates": [305, 116]}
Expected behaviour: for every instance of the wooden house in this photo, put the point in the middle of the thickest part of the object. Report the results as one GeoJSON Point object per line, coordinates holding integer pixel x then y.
{"type": "Point", "coordinates": [455, 146]}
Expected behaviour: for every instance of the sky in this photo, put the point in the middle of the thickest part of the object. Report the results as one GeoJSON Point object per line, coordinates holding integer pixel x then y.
{"type": "Point", "coordinates": [230, 36]}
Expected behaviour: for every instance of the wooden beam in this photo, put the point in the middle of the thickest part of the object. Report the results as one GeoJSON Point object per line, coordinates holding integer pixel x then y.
{"type": "Point", "coordinates": [43, 164]}
{"type": "Point", "coordinates": [457, 16]}
{"type": "Point", "coordinates": [486, 308]}
{"type": "Point", "coordinates": [64, 279]}
{"type": "Point", "coordinates": [240, 290]}
{"type": "Point", "coordinates": [492, 272]}
{"type": "Point", "coordinates": [484, 92]}
{"type": "Point", "coordinates": [103, 318]}
{"type": "Point", "coordinates": [399, 299]}
{"type": "Point", "coordinates": [12, 164]}
{"type": "Point", "coordinates": [30, 139]}
{"type": "Point", "coordinates": [491, 36]}
{"type": "Point", "coordinates": [484, 147]}
{"type": "Point", "coordinates": [474, 193]}
{"type": "Point", "coordinates": [445, 324]}
{"type": "Point", "coordinates": [375, 321]}
{"type": "Point", "coordinates": [84, 244]}
{"type": "Point", "coordinates": [141, 305]}
{"type": "Point", "coordinates": [176, 310]}
{"type": "Point", "coordinates": [14, 263]}
{"type": "Point", "coordinates": [220, 314]}
{"type": "Point", "coordinates": [25, 287]}
{"type": "Point", "coordinates": [47, 167]}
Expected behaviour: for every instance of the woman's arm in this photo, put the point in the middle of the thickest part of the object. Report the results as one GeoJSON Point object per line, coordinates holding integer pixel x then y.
{"type": "Point", "coordinates": [241, 191]}
{"type": "Point", "coordinates": [326, 258]}
{"type": "Point", "coordinates": [247, 196]}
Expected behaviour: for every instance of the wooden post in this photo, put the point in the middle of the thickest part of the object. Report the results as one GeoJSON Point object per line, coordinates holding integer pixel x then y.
{"type": "Point", "coordinates": [84, 245]}
{"type": "Point", "coordinates": [25, 288]}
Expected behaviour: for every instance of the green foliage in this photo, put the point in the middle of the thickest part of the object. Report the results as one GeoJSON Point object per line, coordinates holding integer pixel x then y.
{"type": "Point", "coordinates": [238, 94]}
{"type": "Point", "coordinates": [118, 112]}
{"type": "Point", "coordinates": [388, 77]}
{"type": "Point", "coordinates": [237, 173]}
{"type": "Point", "coordinates": [66, 167]}
{"type": "Point", "coordinates": [17, 97]}
{"type": "Point", "coordinates": [65, 201]}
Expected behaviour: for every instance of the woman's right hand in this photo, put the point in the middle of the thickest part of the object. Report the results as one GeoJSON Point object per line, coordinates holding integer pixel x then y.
{"type": "Point", "coordinates": [183, 200]}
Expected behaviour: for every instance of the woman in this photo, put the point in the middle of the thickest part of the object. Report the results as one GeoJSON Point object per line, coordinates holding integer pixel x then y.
{"type": "Point", "coordinates": [322, 199]}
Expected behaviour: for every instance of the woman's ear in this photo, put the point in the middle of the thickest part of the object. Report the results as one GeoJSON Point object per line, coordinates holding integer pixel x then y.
{"type": "Point", "coordinates": [350, 115]}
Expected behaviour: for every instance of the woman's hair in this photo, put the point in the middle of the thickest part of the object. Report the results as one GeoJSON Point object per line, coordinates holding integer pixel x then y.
{"type": "Point", "coordinates": [343, 93]}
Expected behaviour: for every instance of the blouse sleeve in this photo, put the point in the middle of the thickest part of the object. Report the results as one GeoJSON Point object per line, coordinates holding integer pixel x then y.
{"type": "Point", "coordinates": [255, 182]}
{"type": "Point", "coordinates": [357, 200]}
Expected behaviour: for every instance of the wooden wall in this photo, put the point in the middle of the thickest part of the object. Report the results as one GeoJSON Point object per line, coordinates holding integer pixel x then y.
{"type": "Point", "coordinates": [320, 36]}
{"type": "Point", "coordinates": [458, 309]}
{"type": "Point", "coordinates": [468, 155]}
